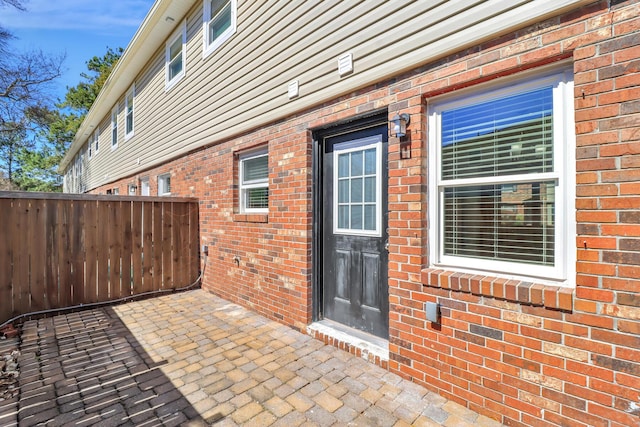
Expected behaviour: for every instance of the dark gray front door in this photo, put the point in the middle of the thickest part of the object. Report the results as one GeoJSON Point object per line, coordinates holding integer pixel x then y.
{"type": "Point", "coordinates": [354, 229]}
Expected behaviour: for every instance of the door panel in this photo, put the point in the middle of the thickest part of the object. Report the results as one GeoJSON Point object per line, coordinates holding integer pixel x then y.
{"type": "Point", "coordinates": [354, 229]}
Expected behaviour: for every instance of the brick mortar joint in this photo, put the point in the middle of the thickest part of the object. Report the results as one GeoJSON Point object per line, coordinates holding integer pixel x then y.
{"type": "Point", "coordinates": [520, 291]}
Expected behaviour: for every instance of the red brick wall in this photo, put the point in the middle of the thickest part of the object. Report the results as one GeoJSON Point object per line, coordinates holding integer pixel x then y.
{"type": "Point", "coordinates": [525, 354]}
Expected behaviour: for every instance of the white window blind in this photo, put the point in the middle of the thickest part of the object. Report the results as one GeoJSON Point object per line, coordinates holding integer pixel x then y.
{"type": "Point", "coordinates": [507, 136]}
{"type": "Point", "coordinates": [501, 173]}
{"type": "Point", "coordinates": [254, 182]}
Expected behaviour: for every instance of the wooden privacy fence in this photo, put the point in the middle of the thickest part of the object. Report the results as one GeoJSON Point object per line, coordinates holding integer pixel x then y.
{"type": "Point", "coordinates": [59, 250]}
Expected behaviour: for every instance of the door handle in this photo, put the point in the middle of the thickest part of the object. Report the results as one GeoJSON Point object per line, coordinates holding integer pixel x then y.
{"type": "Point", "coordinates": [386, 246]}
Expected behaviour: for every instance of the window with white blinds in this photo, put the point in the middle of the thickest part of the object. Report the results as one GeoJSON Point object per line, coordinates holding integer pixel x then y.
{"type": "Point", "coordinates": [254, 182]}
{"type": "Point", "coordinates": [502, 178]}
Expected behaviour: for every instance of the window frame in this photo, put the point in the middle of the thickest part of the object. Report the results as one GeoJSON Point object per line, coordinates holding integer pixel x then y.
{"type": "Point", "coordinates": [262, 183]}
{"type": "Point", "coordinates": [96, 141]}
{"type": "Point", "coordinates": [162, 180]}
{"type": "Point", "coordinates": [209, 46]}
{"type": "Point", "coordinates": [563, 173]}
{"type": "Point", "coordinates": [129, 101]}
{"type": "Point", "coordinates": [180, 33]}
{"type": "Point", "coordinates": [114, 127]}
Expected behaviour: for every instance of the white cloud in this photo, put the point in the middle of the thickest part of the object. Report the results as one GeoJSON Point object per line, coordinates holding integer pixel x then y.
{"type": "Point", "coordinates": [101, 16]}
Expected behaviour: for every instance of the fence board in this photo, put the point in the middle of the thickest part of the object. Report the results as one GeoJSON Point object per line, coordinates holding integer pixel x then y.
{"type": "Point", "coordinates": [64, 255]}
{"type": "Point", "coordinates": [103, 250]}
{"type": "Point", "coordinates": [180, 244]}
{"type": "Point", "coordinates": [147, 247]}
{"type": "Point", "coordinates": [126, 262]}
{"type": "Point", "coordinates": [167, 244]}
{"type": "Point", "coordinates": [136, 247]}
{"type": "Point", "coordinates": [51, 254]}
{"type": "Point", "coordinates": [115, 251]}
{"type": "Point", "coordinates": [194, 243]}
{"type": "Point", "coordinates": [6, 254]}
{"type": "Point", "coordinates": [21, 257]}
{"type": "Point", "coordinates": [77, 252]}
{"type": "Point", "coordinates": [35, 232]}
{"type": "Point", "coordinates": [91, 251]}
{"type": "Point", "coordinates": [157, 245]}
{"type": "Point", "coordinates": [61, 251]}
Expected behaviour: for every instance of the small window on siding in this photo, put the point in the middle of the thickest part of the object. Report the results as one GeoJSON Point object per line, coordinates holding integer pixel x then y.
{"type": "Point", "coordinates": [128, 111]}
{"type": "Point", "coordinates": [219, 23]}
{"type": "Point", "coordinates": [95, 142]}
{"type": "Point", "coordinates": [164, 185]}
{"type": "Point", "coordinates": [254, 182]}
{"type": "Point", "coordinates": [175, 57]}
{"type": "Point", "coordinates": [114, 128]}
{"type": "Point", "coordinates": [90, 148]}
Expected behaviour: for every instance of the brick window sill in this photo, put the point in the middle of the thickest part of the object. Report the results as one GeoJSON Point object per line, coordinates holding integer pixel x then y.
{"type": "Point", "coordinates": [535, 294]}
{"type": "Point", "coordinates": [262, 218]}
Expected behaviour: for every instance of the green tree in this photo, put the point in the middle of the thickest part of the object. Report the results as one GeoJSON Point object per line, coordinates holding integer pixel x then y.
{"type": "Point", "coordinates": [38, 168]}
{"type": "Point", "coordinates": [25, 87]}
{"type": "Point", "coordinates": [82, 96]}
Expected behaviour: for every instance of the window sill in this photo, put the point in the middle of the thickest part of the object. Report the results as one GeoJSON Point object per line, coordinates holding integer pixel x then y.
{"type": "Point", "coordinates": [262, 218]}
{"type": "Point", "coordinates": [522, 292]}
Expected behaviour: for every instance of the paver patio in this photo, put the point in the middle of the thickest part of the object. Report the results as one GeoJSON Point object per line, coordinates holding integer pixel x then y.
{"type": "Point", "coordinates": [194, 359]}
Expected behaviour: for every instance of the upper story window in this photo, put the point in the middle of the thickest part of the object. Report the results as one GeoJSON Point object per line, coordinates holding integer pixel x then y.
{"type": "Point", "coordinates": [114, 127]}
{"type": "Point", "coordinates": [175, 57]}
{"type": "Point", "coordinates": [219, 23]}
{"type": "Point", "coordinates": [90, 148]}
{"type": "Point", "coordinates": [502, 179]}
{"type": "Point", "coordinates": [128, 111]}
{"type": "Point", "coordinates": [96, 142]}
{"type": "Point", "coordinates": [254, 182]}
{"type": "Point", "coordinates": [164, 185]}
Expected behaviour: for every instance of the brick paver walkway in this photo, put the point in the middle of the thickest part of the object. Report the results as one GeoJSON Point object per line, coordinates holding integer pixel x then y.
{"type": "Point", "coordinates": [195, 359]}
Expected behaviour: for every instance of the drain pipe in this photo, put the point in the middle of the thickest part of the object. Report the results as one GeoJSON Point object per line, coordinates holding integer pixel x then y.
{"type": "Point", "coordinates": [115, 301]}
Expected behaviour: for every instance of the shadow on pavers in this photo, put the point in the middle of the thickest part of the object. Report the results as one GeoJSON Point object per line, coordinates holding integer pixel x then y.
{"type": "Point", "coordinates": [86, 368]}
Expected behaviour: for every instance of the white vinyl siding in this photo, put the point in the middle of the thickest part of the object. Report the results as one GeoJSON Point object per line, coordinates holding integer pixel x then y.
{"type": "Point", "coordinates": [219, 23]}
{"type": "Point", "coordinates": [254, 182]}
{"type": "Point", "coordinates": [502, 175]}
{"type": "Point", "coordinates": [175, 57]}
{"type": "Point", "coordinates": [242, 84]}
{"type": "Point", "coordinates": [129, 102]}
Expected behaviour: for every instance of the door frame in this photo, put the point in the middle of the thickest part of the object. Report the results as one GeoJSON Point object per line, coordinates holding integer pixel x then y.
{"type": "Point", "coordinates": [359, 122]}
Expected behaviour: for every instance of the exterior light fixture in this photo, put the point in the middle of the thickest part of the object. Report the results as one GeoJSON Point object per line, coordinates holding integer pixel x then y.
{"type": "Point", "coordinates": [399, 125]}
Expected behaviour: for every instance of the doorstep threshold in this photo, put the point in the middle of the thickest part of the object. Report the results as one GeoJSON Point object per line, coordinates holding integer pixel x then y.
{"type": "Point", "coordinates": [369, 345]}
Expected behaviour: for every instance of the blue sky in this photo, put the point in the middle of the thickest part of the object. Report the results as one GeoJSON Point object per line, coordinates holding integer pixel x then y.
{"type": "Point", "coordinates": [80, 28]}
